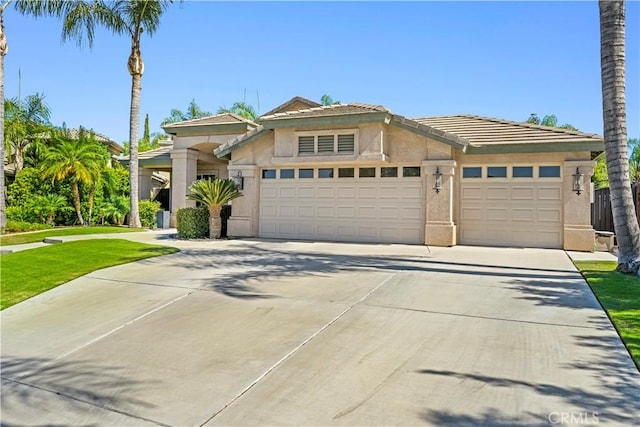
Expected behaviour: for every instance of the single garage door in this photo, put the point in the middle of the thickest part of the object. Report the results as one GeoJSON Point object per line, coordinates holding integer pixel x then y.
{"type": "Point", "coordinates": [516, 205]}
{"type": "Point", "coordinates": [358, 204]}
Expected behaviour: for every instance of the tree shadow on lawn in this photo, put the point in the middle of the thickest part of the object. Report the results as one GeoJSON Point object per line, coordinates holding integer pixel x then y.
{"type": "Point", "coordinates": [31, 382]}
{"type": "Point", "coordinates": [613, 395]}
{"type": "Point", "coordinates": [233, 271]}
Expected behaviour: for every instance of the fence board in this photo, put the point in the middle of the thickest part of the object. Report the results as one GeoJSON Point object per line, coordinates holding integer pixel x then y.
{"type": "Point", "coordinates": [601, 214]}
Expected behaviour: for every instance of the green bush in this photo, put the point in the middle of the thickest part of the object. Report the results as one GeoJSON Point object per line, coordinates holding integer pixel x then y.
{"type": "Point", "coordinates": [20, 214]}
{"type": "Point", "coordinates": [20, 226]}
{"type": "Point", "coordinates": [148, 210]}
{"type": "Point", "coordinates": [193, 223]}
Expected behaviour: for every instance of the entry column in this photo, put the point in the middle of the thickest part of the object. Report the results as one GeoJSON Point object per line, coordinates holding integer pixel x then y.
{"type": "Point", "coordinates": [184, 170]}
{"type": "Point", "coordinates": [245, 210]}
{"type": "Point", "coordinates": [578, 231]}
{"type": "Point", "coordinates": [439, 230]}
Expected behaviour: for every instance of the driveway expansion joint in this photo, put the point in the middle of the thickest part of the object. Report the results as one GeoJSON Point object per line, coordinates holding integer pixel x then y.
{"type": "Point", "coordinates": [295, 350]}
{"type": "Point", "coordinates": [499, 319]}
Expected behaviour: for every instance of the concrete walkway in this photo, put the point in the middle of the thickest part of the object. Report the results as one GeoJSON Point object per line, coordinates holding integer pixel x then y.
{"type": "Point", "coordinates": [256, 332]}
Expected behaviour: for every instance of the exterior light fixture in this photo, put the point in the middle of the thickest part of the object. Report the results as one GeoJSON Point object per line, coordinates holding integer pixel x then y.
{"type": "Point", "coordinates": [577, 182]}
{"type": "Point", "coordinates": [238, 180]}
{"type": "Point", "coordinates": [437, 180]}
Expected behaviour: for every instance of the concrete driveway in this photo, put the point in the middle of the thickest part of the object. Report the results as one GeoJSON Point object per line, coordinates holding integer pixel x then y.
{"type": "Point", "coordinates": [252, 332]}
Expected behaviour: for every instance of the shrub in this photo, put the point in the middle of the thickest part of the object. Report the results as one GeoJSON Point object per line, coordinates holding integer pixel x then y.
{"type": "Point", "coordinates": [20, 213]}
{"type": "Point", "coordinates": [20, 226]}
{"type": "Point", "coordinates": [193, 223]}
{"type": "Point", "coordinates": [148, 210]}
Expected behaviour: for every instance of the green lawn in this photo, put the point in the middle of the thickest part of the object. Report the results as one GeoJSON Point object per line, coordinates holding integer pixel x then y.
{"type": "Point", "coordinates": [31, 272]}
{"type": "Point", "coordinates": [18, 239]}
{"type": "Point", "coordinates": [620, 296]}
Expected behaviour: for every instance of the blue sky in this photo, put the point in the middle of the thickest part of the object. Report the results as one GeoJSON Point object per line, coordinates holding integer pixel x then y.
{"type": "Point", "coordinates": [497, 59]}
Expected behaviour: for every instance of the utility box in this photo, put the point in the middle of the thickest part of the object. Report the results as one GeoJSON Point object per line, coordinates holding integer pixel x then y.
{"type": "Point", "coordinates": [162, 218]}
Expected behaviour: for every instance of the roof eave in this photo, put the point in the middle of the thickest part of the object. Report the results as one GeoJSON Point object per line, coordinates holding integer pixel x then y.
{"type": "Point", "coordinates": [210, 127]}
{"type": "Point", "coordinates": [325, 121]}
{"type": "Point", "coordinates": [553, 147]}
{"type": "Point", "coordinates": [224, 151]}
{"type": "Point", "coordinates": [430, 132]}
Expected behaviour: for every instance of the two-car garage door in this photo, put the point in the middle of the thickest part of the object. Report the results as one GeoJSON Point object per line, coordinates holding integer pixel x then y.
{"type": "Point", "coordinates": [382, 204]}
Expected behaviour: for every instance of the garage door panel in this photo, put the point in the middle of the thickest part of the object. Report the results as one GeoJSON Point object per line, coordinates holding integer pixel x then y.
{"type": "Point", "coordinates": [549, 193]}
{"type": "Point", "coordinates": [514, 213]}
{"type": "Point", "coordinates": [306, 192]}
{"type": "Point", "coordinates": [286, 192]}
{"type": "Point", "coordinates": [346, 192]}
{"type": "Point", "coordinates": [287, 210]}
{"type": "Point", "coordinates": [326, 212]}
{"type": "Point", "coordinates": [326, 192]}
{"type": "Point", "coordinates": [269, 193]}
{"type": "Point", "coordinates": [306, 211]}
{"type": "Point", "coordinates": [367, 192]}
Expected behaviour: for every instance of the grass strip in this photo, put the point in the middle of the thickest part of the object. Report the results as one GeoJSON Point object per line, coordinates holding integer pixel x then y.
{"type": "Point", "coordinates": [19, 239]}
{"type": "Point", "coordinates": [619, 294]}
{"type": "Point", "coordinates": [28, 273]}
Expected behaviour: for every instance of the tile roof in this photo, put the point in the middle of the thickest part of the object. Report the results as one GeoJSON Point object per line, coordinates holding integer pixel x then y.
{"type": "Point", "coordinates": [223, 118]}
{"type": "Point", "coordinates": [75, 134]}
{"type": "Point", "coordinates": [287, 105]}
{"type": "Point", "coordinates": [486, 131]}
{"type": "Point", "coordinates": [327, 110]}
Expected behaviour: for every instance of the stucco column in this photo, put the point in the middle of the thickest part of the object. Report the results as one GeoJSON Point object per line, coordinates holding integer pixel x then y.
{"type": "Point", "coordinates": [184, 170]}
{"type": "Point", "coordinates": [578, 232]}
{"type": "Point", "coordinates": [439, 230]}
{"type": "Point", "coordinates": [244, 210]}
{"type": "Point", "coordinates": [145, 183]}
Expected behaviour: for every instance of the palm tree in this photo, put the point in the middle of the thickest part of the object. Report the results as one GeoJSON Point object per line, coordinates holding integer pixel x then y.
{"type": "Point", "coordinates": [130, 17]}
{"type": "Point", "coordinates": [612, 59]}
{"type": "Point", "coordinates": [242, 109]}
{"type": "Point", "coordinates": [24, 120]}
{"type": "Point", "coordinates": [4, 49]}
{"type": "Point", "coordinates": [78, 160]}
{"type": "Point", "coordinates": [214, 194]}
{"type": "Point", "coordinates": [48, 205]}
{"type": "Point", "coordinates": [193, 111]}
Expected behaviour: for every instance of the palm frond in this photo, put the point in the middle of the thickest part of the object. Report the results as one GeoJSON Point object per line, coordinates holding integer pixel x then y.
{"type": "Point", "coordinates": [214, 193]}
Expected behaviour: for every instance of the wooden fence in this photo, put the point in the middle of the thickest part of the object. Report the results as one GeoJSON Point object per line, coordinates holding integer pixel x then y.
{"type": "Point", "coordinates": [601, 215]}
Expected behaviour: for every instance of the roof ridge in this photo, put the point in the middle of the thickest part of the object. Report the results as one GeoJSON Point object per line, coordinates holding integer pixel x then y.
{"type": "Point", "coordinates": [234, 115]}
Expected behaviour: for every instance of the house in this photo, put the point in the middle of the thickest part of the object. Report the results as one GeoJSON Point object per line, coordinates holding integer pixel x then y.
{"type": "Point", "coordinates": [359, 172]}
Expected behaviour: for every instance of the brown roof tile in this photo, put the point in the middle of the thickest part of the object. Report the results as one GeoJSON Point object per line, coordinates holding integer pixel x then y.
{"type": "Point", "coordinates": [328, 110]}
{"type": "Point", "coordinates": [223, 118]}
{"type": "Point", "coordinates": [483, 131]}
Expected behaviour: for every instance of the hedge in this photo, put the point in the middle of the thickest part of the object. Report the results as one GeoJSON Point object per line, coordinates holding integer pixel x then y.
{"type": "Point", "coordinates": [147, 210]}
{"type": "Point", "coordinates": [193, 223]}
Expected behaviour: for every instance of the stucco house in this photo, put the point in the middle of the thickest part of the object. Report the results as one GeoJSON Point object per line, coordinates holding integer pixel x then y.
{"type": "Point", "coordinates": [361, 173]}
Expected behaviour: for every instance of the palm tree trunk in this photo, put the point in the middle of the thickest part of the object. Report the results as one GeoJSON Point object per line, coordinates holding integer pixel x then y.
{"type": "Point", "coordinates": [92, 194]}
{"type": "Point", "coordinates": [3, 51]}
{"type": "Point", "coordinates": [215, 222]}
{"type": "Point", "coordinates": [76, 201]}
{"type": "Point", "coordinates": [18, 158]}
{"type": "Point", "coordinates": [612, 57]}
{"type": "Point", "coordinates": [134, 126]}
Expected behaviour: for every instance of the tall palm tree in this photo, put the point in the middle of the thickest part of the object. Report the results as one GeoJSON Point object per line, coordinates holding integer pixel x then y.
{"type": "Point", "coordinates": [612, 59]}
{"type": "Point", "coordinates": [79, 160]}
{"type": "Point", "coordinates": [214, 194]}
{"type": "Point", "coordinates": [129, 17]}
{"type": "Point", "coordinates": [24, 120]}
{"type": "Point", "coordinates": [4, 49]}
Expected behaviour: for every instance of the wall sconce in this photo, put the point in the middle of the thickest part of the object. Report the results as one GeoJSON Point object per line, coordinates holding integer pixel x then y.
{"type": "Point", "coordinates": [577, 181]}
{"type": "Point", "coordinates": [238, 180]}
{"type": "Point", "coordinates": [437, 180]}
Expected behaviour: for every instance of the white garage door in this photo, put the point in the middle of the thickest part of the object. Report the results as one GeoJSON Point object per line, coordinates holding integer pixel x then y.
{"type": "Point", "coordinates": [343, 204]}
{"type": "Point", "coordinates": [511, 206]}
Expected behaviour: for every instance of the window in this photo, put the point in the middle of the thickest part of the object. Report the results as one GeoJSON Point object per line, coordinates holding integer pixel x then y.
{"type": "Point", "coordinates": [496, 172]}
{"type": "Point", "coordinates": [326, 144]}
{"type": "Point", "coordinates": [305, 173]}
{"type": "Point", "coordinates": [268, 174]}
{"type": "Point", "coordinates": [472, 172]}
{"type": "Point", "coordinates": [522, 171]}
{"type": "Point", "coordinates": [208, 177]}
{"type": "Point", "coordinates": [286, 173]}
{"type": "Point", "coordinates": [325, 173]}
{"type": "Point", "coordinates": [367, 172]}
{"type": "Point", "coordinates": [306, 145]}
{"type": "Point", "coordinates": [345, 173]}
{"type": "Point", "coordinates": [389, 172]}
{"type": "Point", "coordinates": [549, 171]}
{"type": "Point", "coordinates": [346, 143]}
{"type": "Point", "coordinates": [408, 171]}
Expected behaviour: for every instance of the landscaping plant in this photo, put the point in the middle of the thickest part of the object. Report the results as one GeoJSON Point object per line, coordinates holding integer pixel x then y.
{"type": "Point", "coordinates": [214, 194]}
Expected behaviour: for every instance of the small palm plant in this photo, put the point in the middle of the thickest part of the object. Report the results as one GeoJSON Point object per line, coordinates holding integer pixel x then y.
{"type": "Point", "coordinates": [214, 194]}
{"type": "Point", "coordinates": [46, 207]}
